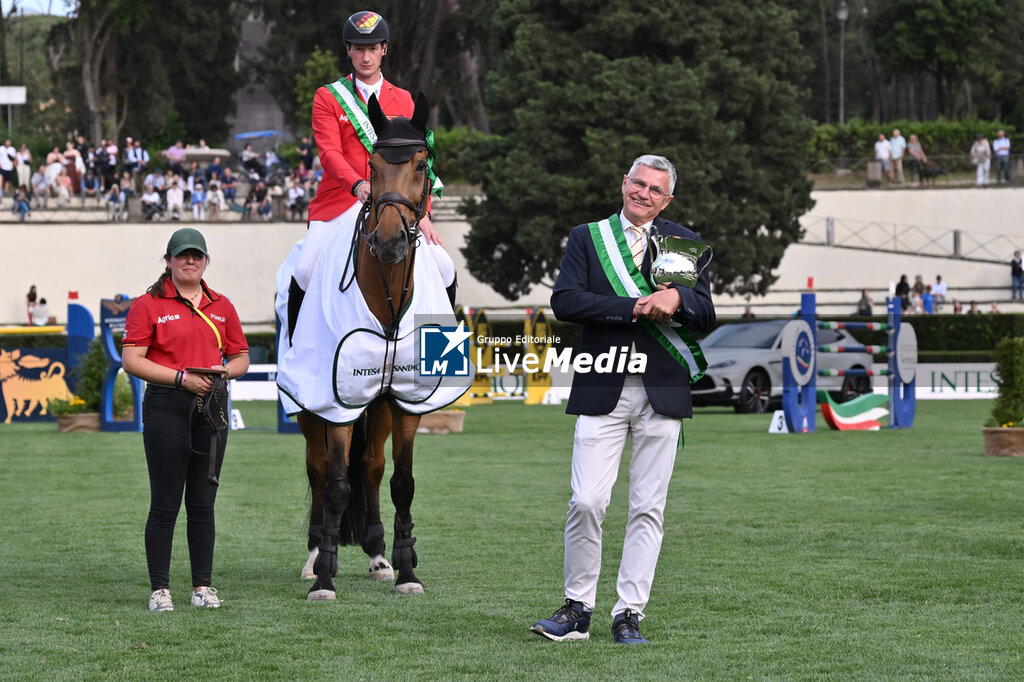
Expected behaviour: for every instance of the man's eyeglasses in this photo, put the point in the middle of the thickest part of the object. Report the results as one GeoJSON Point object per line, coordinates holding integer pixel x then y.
{"type": "Point", "coordinates": [655, 191]}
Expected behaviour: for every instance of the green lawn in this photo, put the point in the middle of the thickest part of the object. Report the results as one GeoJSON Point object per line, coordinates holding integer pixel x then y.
{"type": "Point", "coordinates": [892, 555]}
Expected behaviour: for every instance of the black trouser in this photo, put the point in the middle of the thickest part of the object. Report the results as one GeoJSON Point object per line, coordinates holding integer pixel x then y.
{"type": "Point", "coordinates": [176, 466]}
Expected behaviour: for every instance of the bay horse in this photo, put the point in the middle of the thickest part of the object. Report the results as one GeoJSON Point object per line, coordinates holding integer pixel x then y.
{"type": "Point", "coordinates": [345, 463]}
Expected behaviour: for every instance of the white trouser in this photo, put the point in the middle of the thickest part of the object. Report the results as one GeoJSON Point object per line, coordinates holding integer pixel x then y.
{"type": "Point", "coordinates": [983, 170]}
{"type": "Point", "coordinates": [597, 450]}
{"type": "Point", "coordinates": [320, 230]}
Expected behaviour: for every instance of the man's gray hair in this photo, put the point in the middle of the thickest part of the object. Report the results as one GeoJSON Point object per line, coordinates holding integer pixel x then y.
{"type": "Point", "coordinates": [657, 163]}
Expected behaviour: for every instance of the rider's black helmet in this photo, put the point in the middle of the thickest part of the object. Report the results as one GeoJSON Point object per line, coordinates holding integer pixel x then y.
{"type": "Point", "coordinates": [366, 28]}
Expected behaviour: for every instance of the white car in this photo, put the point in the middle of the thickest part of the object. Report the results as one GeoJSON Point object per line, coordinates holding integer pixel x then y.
{"type": "Point", "coordinates": [745, 366]}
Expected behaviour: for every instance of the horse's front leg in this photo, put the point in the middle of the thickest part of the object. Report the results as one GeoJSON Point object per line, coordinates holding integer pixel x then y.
{"type": "Point", "coordinates": [378, 430]}
{"type": "Point", "coordinates": [336, 494]}
{"type": "Point", "coordinates": [315, 432]}
{"type": "Point", "coordinates": [403, 554]}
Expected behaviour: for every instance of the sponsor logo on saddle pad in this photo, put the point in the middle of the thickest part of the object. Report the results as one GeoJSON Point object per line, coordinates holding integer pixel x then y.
{"type": "Point", "coordinates": [444, 351]}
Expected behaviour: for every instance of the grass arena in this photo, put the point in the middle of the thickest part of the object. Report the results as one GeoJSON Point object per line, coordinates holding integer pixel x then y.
{"type": "Point", "coordinates": [887, 555]}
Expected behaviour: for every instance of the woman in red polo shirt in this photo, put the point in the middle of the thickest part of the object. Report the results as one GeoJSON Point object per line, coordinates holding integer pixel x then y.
{"type": "Point", "coordinates": [182, 325]}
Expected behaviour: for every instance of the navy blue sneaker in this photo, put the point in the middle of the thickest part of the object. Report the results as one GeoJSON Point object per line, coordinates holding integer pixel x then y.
{"type": "Point", "coordinates": [626, 629]}
{"type": "Point", "coordinates": [569, 622]}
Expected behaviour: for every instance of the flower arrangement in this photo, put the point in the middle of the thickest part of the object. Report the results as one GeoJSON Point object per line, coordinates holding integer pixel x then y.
{"type": "Point", "coordinates": [89, 376]}
{"type": "Point", "coordinates": [1008, 407]}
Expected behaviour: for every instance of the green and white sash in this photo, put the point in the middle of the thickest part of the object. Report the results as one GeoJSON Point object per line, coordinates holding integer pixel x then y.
{"type": "Point", "coordinates": [344, 90]}
{"type": "Point", "coordinates": [626, 280]}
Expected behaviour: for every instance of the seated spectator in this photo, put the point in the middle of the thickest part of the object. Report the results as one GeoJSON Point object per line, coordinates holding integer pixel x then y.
{"type": "Point", "coordinates": [258, 203]}
{"type": "Point", "coordinates": [151, 203]}
{"type": "Point", "coordinates": [41, 315]}
{"type": "Point", "coordinates": [41, 187]}
{"type": "Point", "coordinates": [865, 305]}
{"type": "Point", "coordinates": [116, 203]}
{"type": "Point", "coordinates": [195, 175]}
{"type": "Point", "coordinates": [214, 170]}
{"type": "Point", "coordinates": [63, 188]}
{"type": "Point", "coordinates": [90, 187]}
{"type": "Point", "coordinates": [128, 184]}
{"type": "Point", "coordinates": [958, 307]}
{"type": "Point", "coordinates": [995, 307]}
{"type": "Point", "coordinates": [155, 180]}
{"type": "Point", "coordinates": [215, 201]}
{"type": "Point", "coordinates": [296, 201]}
{"type": "Point", "coordinates": [21, 206]}
{"type": "Point", "coordinates": [229, 185]}
{"type": "Point", "coordinates": [974, 309]}
{"type": "Point", "coordinates": [251, 161]}
{"type": "Point", "coordinates": [198, 201]}
{"type": "Point", "coordinates": [175, 200]}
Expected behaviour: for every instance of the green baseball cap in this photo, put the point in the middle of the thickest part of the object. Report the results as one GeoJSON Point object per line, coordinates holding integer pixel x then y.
{"type": "Point", "coordinates": [187, 238]}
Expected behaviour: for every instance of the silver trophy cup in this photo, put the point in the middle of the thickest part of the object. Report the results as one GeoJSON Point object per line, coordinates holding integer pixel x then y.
{"type": "Point", "coordinates": [675, 260]}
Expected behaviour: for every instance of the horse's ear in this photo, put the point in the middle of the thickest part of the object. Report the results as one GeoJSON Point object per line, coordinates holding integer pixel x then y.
{"type": "Point", "coordinates": [422, 112]}
{"type": "Point", "coordinates": [377, 118]}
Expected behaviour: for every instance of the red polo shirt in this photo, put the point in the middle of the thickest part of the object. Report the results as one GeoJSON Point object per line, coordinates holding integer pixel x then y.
{"type": "Point", "coordinates": [177, 337]}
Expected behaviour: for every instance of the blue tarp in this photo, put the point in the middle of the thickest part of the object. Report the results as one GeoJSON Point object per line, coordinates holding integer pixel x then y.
{"type": "Point", "coordinates": [258, 133]}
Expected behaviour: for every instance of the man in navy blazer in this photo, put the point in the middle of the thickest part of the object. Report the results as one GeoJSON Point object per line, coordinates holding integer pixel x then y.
{"type": "Point", "coordinates": [604, 286]}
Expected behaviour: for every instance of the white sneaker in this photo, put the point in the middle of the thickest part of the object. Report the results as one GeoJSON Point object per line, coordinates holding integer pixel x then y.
{"type": "Point", "coordinates": [206, 597]}
{"type": "Point", "coordinates": [161, 601]}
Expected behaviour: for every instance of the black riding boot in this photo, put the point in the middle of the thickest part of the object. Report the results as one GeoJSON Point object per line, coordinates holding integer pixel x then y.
{"type": "Point", "coordinates": [295, 296]}
{"type": "Point", "coordinates": [451, 289]}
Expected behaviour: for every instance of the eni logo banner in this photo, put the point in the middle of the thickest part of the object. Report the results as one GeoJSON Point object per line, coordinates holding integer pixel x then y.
{"type": "Point", "coordinates": [29, 380]}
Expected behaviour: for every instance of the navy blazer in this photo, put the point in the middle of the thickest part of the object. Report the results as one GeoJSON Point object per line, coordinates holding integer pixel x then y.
{"type": "Point", "coordinates": [583, 294]}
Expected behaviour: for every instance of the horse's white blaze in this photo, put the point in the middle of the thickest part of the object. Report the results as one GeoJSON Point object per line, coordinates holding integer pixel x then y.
{"type": "Point", "coordinates": [307, 570]}
{"type": "Point", "coordinates": [380, 569]}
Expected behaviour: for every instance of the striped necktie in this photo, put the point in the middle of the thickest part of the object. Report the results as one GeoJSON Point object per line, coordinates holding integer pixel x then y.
{"type": "Point", "coordinates": [639, 245]}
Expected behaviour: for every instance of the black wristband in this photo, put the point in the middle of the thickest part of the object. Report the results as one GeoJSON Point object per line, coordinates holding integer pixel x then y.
{"type": "Point", "coordinates": [177, 379]}
{"type": "Point", "coordinates": [355, 186]}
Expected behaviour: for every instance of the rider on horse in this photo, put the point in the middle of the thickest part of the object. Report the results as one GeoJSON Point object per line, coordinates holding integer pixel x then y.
{"type": "Point", "coordinates": [343, 135]}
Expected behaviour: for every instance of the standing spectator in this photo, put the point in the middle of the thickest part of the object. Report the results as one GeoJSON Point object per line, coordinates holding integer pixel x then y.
{"type": "Point", "coordinates": [131, 161]}
{"type": "Point", "coordinates": [748, 314]}
{"type": "Point", "coordinates": [305, 150]}
{"type": "Point", "coordinates": [1016, 278]}
{"type": "Point", "coordinates": [229, 185]}
{"type": "Point", "coordinates": [981, 157]}
{"type": "Point", "coordinates": [958, 307]}
{"type": "Point", "coordinates": [167, 331]}
{"type": "Point", "coordinates": [23, 157]}
{"type": "Point", "coordinates": [175, 200]}
{"type": "Point", "coordinates": [974, 309]}
{"type": "Point", "coordinates": [115, 203]}
{"type": "Point", "coordinates": [142, 159]}
{"type": "Point", "coordinates": [8, 155]}
{"type": "Point", "coordinates": [176, 156]}
{"type": "Point", "coordinates": [30, 303]}
{"type": "Point", "coordinates": [72, 159]}
{"type": "Point", "coordinates": [91, 160]}
{"type": "Point", "coordinates": [1001, 147]}
{"type": "Point", "coordinates": [883, 153]}
{"type": "Point", "coordinates": [110, 174]}
{"type": "Point", "coordinates": [151, 207]}
{"type": "Point", "coordinates": [939, 292]}
{"type": "Point", "coordinates": [41, 187]}
{"type": "Point", "coordinates": [898, 145]}
{"type": "Point", "coordinates": [198, 201]}
{"type": "Point", "coordinates": [54, 165]}
{"type": "Point", "coordinates": [918, 160]}
{"type": "Point", "coordinates": [646, 406]}
{"type": "Point", "coordinates": [864, 305]}
{"type": "Point", "coordinates": [903, 293]}
{"type": "Point", "coordinates": [995, 307]}
{"type": "Point", "coordinates": [21, 206]}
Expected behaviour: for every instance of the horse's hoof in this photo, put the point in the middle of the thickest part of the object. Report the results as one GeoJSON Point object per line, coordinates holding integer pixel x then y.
{"type": "Point", "coordinates": [380, 570]}
{"type": "Point", "coordinates": [307, 570]}
{"type": "Point", "coordinates": [409, 588]}
{"type": "Point", "coordinates": [321, 595]}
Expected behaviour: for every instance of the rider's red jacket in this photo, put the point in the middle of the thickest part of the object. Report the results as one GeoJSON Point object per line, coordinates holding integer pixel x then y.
{"type": "Point", "coordinates": [343, 156]}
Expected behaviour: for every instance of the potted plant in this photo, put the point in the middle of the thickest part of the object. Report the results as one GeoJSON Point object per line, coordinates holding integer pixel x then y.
{"type": "Point", "coordinates": [1004, 430]}
{"type": "Point", "coordinates": [82, 411]}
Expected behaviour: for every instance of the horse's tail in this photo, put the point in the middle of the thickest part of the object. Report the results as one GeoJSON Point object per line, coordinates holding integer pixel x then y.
{"type": "Point", "coordinates": [353, 519]}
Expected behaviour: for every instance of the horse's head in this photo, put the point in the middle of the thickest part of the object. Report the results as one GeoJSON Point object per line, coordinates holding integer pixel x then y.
{"type": "Point", "coordinates": [399, 181]}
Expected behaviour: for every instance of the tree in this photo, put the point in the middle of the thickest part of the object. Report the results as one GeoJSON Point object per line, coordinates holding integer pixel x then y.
{"type": "Point", "coordinates": [585, 87]}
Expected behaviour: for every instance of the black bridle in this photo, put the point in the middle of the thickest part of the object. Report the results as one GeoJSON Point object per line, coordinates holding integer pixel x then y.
{"type": "Point", "coordinates": [393, 150]}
